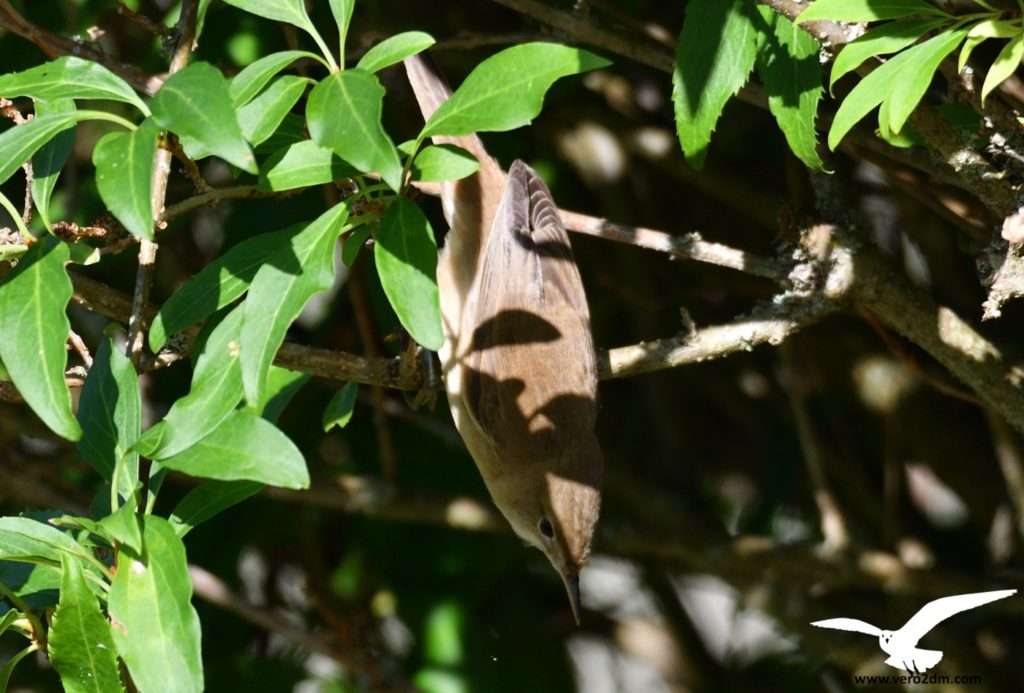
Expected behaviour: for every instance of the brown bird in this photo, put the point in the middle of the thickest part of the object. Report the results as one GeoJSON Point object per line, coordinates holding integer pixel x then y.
{"type": "Point", "coordinates": [518, 357]}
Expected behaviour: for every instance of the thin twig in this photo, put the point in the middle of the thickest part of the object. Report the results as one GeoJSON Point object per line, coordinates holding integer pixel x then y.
{"type": "Point", "coordinates": [186, 34]}
{"type": "Point", "coordinates": [81, 348]}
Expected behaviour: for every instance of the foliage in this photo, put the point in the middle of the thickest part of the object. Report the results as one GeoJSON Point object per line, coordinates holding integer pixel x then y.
{"type": "Point", "coordinates": [125, 592]}
{"type": "Point", "coordinates": [712, 65]}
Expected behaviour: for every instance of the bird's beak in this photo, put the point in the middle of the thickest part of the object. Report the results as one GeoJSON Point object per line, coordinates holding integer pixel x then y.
{"type": "Point", "coordinates": [571, 578]}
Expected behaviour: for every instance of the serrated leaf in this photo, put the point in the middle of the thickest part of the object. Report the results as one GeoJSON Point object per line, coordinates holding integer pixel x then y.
{"type": "Point", "coordinates": [34, 330]}
{"type": "Point", "coordinates": [216, 390]}
{"type": "Point", "coordinates": [110, 411]}
{"type": "Point", "coordinates": [339, 409]}
{"type": "Point", "coordinates": [791, 74]}
{"type": "Point", "coordinates": [1005, 64]}
{"type": "Point", "coordinates": [69, 78]}
{"type": "Point", "coordinates": [507, 90]}
{"type": "Point", "coordinates": [303, 164]}
{"type": "Point", "coordinates": [261, 117]}
{"type": "Point", "coordinates": [883, 40]}
{"type": "Point", "coordinates": [218, 284]}
{"type": "Point", "coordinates": [278, 293]}
{"type": "Point", "coordinates": [244, 447]}
{"type": "Point", "coordinates": [395, 49]}
{"type": "Point", "coordinates": [80, 644]}
{"type": "Point", "coordinates": [714, 57]}
{"type": "Point", "coordinates": [154, 625]}
{"type": "Point", "coordinates": [51, 157]}
{"type": "Point", "coordinates": [195, 104]}
{"type": "Point", "coordinates": [912, 82]}
{"type": "Point", "coordinates": [343, 113]}
{"type": "Point", "coordinates": [206, 501]}
{"type": "Point", "coordinates": [251, 80]}
{"type": "Point", "coordinates": [19, 143]}
{"type": "Point", "coordinates": [342, 11]}
{"type": "Point", "coordinates": [124, 176]}
{"type": "Point", "coordinates": [405, 253]}
{"type": "Point", "coordinates": [440, 162]}
{"type": "Point", "coordinates": [866, 10]}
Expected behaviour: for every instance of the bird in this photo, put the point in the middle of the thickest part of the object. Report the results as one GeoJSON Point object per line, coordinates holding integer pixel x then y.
{"type": "Point", "coordinates": [901, 645]}
{"type": "Point", "coordinates": [518, 358]}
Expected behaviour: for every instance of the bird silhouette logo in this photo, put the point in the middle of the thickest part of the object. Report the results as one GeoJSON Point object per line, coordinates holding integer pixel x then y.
{"type": "Point", "coordinates": [901, 645]}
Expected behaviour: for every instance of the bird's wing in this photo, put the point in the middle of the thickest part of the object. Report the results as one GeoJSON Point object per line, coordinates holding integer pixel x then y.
{"type": "Point", "coordinates": [935, 612]}
{"type": "Point", "coordinates": [853, 624]}
{"type": "Point", "coordinates": [528, 308]}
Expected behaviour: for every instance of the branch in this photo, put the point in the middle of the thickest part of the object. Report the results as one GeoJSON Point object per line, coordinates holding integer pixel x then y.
{"type": "Point", "coordinates": [54, 46]}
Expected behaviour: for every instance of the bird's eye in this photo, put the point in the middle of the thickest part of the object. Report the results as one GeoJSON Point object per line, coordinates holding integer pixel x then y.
{"type": "Point", "coordinates": [545, 528]}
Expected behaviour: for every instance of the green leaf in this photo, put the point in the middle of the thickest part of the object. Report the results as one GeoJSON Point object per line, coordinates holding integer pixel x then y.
{"type": "Point", "coordinates": [278, 293]}
{"type": "Point", "coordinates": [80, 645]}
{"type": "Point", "coordinates": [244, 447]}
{"type": "Point", "coordinates": [714, 56]}
{"type": "Point", "coordinates": [19, 143]}
{"type": "Point", "coordinates": [343, 113]}
{"type": "Point", "coordinates": [203, 502]}
{"type": "Point", "coordinates": [1005, 64]}
{"type": "Point", "coordinates": [34, 330]}
{"type": "Point", "coordinates": [866, 10]}
{"type": "Point", "coordinates": [110, 411]}
{"type": "Point", "coordinates": [895, 73]}
{"type": "Point", "coordinates": [218, 284]}
{"type": "Point", "coordinates": [69, 78]}
{"type": "Point", "coordinates": [250, 81]}
{"type": "Point", "coordinates": [282, 385]}
{"type": "Point", "coordinates": [507, 90]}
{"type": "Point", "coordinates": [261, 117]}
{"type": "Point", "coordinates": [883, 40]}
{"type": "Point", "coordinates": [50, 159]}
{"type": "Point", "coordinates": [26, 540]}
{"type": "Point", "coordinates": [354, 243]}
{"type": "Point", "coordinates": [791, 74]}
{"type": "Point", "coordinates": [342, 11]}
{"type": "Point", "coordinates": [406, 259]}
{"type": "Point", "coordinates": [909, 86]}
{"type": "Point", "coordinates": [123, 524]}
{"type": "Point", "coordinates": [291, 131]}
{"type": "Point", "coordinates": [289, 11]}
{"type": "Point", "coordinates": [303, 164]}
{"type": "Point", "coordinates": [216, 391]}
{"type": "Point", "coordinates": [195, 104]}
{"type": "Point", "coordinates": [395, 49]}
{"type": "Point", "coordinates": [154, 625]}
{"type": "Point", "coordinates": [339, 410]}
{"type": "Point", "coordinates": [8, 620]}
{"type": "Point", "coordinates": [981, 31]}
{"type": "Point", "coordinates": [441, 162]}
{"type": "Point", "coordinates": [124, 176]}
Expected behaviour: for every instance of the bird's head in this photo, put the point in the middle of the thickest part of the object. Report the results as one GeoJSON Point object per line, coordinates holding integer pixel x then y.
{"type": "Point", "coordinates": [885, 637]}
{"type": "Point", "coordinates": [556, 511]}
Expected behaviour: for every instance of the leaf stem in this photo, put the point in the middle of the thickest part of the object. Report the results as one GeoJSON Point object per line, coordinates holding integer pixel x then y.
{"type": "Point", "coordinates": [38, 634]}
{"type": "Point", "coordinates": [331, 64]}
{"type": "Point", "coordinates": [16, 215]}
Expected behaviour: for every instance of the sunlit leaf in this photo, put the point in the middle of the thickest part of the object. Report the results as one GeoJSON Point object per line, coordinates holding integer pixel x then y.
{"type": "Point", "coordinates": [34, 330]}
{"type": "Point", "coordinates": [124, 176]}
{"type": "Point", "coordinates": [395, 49]}
{"type": "Point", "coordinates": [507, 90]}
